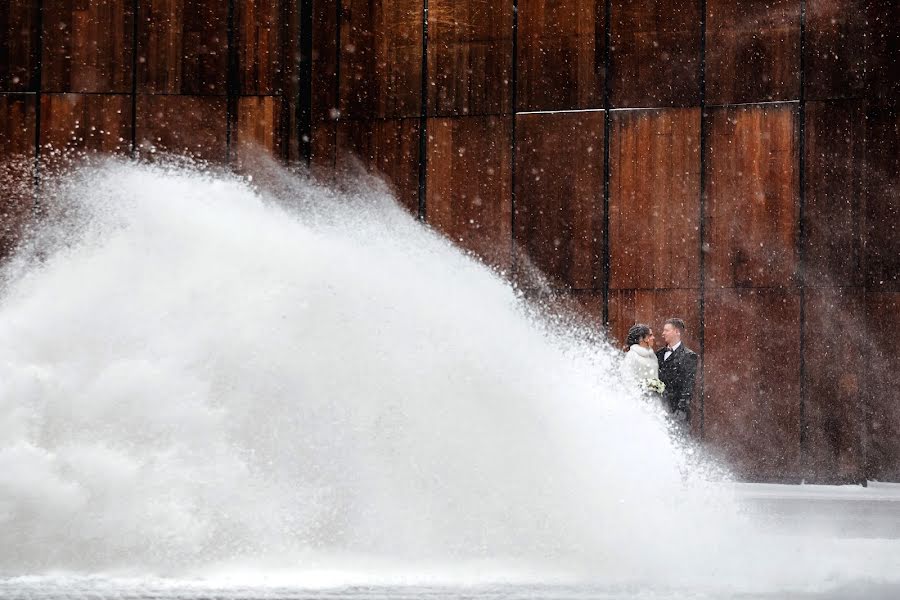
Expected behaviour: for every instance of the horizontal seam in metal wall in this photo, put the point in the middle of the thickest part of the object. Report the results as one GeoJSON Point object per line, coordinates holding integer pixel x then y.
{"type": "Point", "coordinates": [599, 290]}
{"type": "Point", "coordinates": [356, 119]}
{"type": "Point", "coordinates": [128, 93]}
{"type": "Point", "coordinates": [348, 118]}
{"type": "Point", "coordinates": [639, 288]}
{"type": "Point", "coordinates": [834, 98]}
{"type": "Point", "coordinates": [276, 95]}
{"type": "Point", "coordinates": [741, 104]}
{"type": "Point", "coordinates": [780, 288]}
{"type": "Point", "coordinates": [552, 112]}
{"type": "Point", "coordinates": [364, 120]}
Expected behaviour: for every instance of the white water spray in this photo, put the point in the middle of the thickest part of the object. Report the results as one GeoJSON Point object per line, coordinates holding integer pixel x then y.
{"type": "Point", "coordinates": [195, 371]}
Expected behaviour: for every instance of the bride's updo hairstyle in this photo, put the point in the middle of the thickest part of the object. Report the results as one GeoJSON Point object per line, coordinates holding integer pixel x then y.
{"type": "Point", "coordinates": [637, 332]}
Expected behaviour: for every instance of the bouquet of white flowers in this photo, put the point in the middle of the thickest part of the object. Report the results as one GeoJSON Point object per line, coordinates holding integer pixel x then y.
{"type": "Point", "coordinates": [652, 384]}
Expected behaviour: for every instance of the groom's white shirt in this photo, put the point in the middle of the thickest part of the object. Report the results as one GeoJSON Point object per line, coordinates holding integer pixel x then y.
{"type": "Point", "coordinates": [670, 351]}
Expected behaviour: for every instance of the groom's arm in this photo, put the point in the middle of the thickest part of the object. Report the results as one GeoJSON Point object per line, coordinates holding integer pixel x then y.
{"type": "Point", "coordinates": [687, 383]}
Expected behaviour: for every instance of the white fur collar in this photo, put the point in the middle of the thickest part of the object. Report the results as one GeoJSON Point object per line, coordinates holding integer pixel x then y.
{"type": "Point", "coordinates": [641, 351]}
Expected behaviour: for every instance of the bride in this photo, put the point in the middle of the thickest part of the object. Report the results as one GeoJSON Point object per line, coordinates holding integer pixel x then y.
{"type": "Point", "coordinates": [640, 364]}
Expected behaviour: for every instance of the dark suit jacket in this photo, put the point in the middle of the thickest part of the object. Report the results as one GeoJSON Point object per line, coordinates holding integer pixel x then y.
{"type": "Point", "coordinates": [678, 374]}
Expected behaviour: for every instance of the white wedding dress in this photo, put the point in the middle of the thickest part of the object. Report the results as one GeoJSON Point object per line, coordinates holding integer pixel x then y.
{"type": "Point", "coordinates": [640, 363]}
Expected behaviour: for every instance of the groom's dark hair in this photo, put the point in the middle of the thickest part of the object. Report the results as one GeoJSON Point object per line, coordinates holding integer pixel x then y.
{"type": "Point", "coordinates": [676, 323]}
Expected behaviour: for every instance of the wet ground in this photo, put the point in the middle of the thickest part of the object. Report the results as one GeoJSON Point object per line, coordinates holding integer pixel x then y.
{"type": "Point", "coordinates": [857, 514]}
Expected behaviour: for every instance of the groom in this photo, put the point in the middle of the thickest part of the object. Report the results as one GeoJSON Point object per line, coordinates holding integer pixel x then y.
{"type": "Point", "coordinates": [677, 368]}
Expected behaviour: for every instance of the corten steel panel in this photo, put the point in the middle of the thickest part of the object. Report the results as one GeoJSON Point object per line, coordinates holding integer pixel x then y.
{"type": "Point", "coordinates": [324, 61]}
{"type": "Point", "coordinates": [559, 197]}
{"type": "Point", "coordinates": [578, 308]}
{"type": "Point", "coordinates": [323, 149]}
{"type": "Point", "coordinates": [655, 53]}
{"type": "Point", "coordinates": [883, 34]}
{"type": "Point", "coordinates": [19, 45]}
{"type": "Point", "coordinates": [182, 47]}
{"type": "Point", "coordinates": [74, 124]}
{"type": "Point", "coordinates": [752, 196]}
{"type": "Point", "coordinates": [469, 57]}
{"type": "Point", "coordinates": [587, 306]}
{"type": "Point", "coordinates": [834, 335]}
{"type": "Point", "coordinates": [468, 196]}
{"type": "Point", "coordinates": [835, 49]}
{"type": "Point", "coordinates": [389, 148]}
{"type": "Point", "coordinates": [259, 132]}
{"type": "Point", "coordinates": [191, 125]}
{"type": "Point", "coordinates": [751, 371]}
{"type": "Point", "coordinates": [752, 50]}
{"type": "Point", "coordinates": [882, 383]}
{"type": "Point", "coordinates": [381, 58]}
{"type": "Point", "coordinates": [882, 198]}
{"type": "Point", "coordinates": [258, 39]}
{"type": "Point", "coordinates": [561, 54]}
{"type": "Point", "coordinates": [17, 123]}
{"type": "Point", "coordinates": [832, 219]}
{"type": "Point", "coordinates": [653, 307]}
{"type": "Point", "coordinates": [88, 46]}
{"type": "Point", "coordinates": [654, 199]}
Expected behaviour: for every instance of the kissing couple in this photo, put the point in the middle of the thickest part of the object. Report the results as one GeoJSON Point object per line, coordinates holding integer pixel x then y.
{"type": "Point", "coordinates": [668, 372]}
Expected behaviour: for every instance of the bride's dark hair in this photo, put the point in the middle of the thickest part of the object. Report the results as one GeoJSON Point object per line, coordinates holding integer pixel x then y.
{"type": "Point", "coordinates": [637, 332]}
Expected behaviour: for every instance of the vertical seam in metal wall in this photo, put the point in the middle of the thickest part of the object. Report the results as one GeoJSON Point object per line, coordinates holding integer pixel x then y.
{"type": "Point", "coordinates": [865, 399]}
{"type": "Point", "coordinates": [607, 127]}
{"type": "Point", "coordinates": [801, 236]}
{"type": "Point", "coordinates": [304, 66]}
{"type": "Point", "coordinates": [280, 85]}
{"type": "Point", "coordinates": [230, 81]}
{"type": "Point", "coordinates": [338, 27]}
{"type": "Point", "coordinates": [38, 75]}
{"type": "Point", "coordinates": [701, 323]}
{"type": "Point", "coordinates": [423, 116]}
{"type": "Point", "coordinates": [514, 99]}
{"type": "Point", "coordinates": [136, 8]}
{"type": "Point", "coordinates": [865, 393]}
